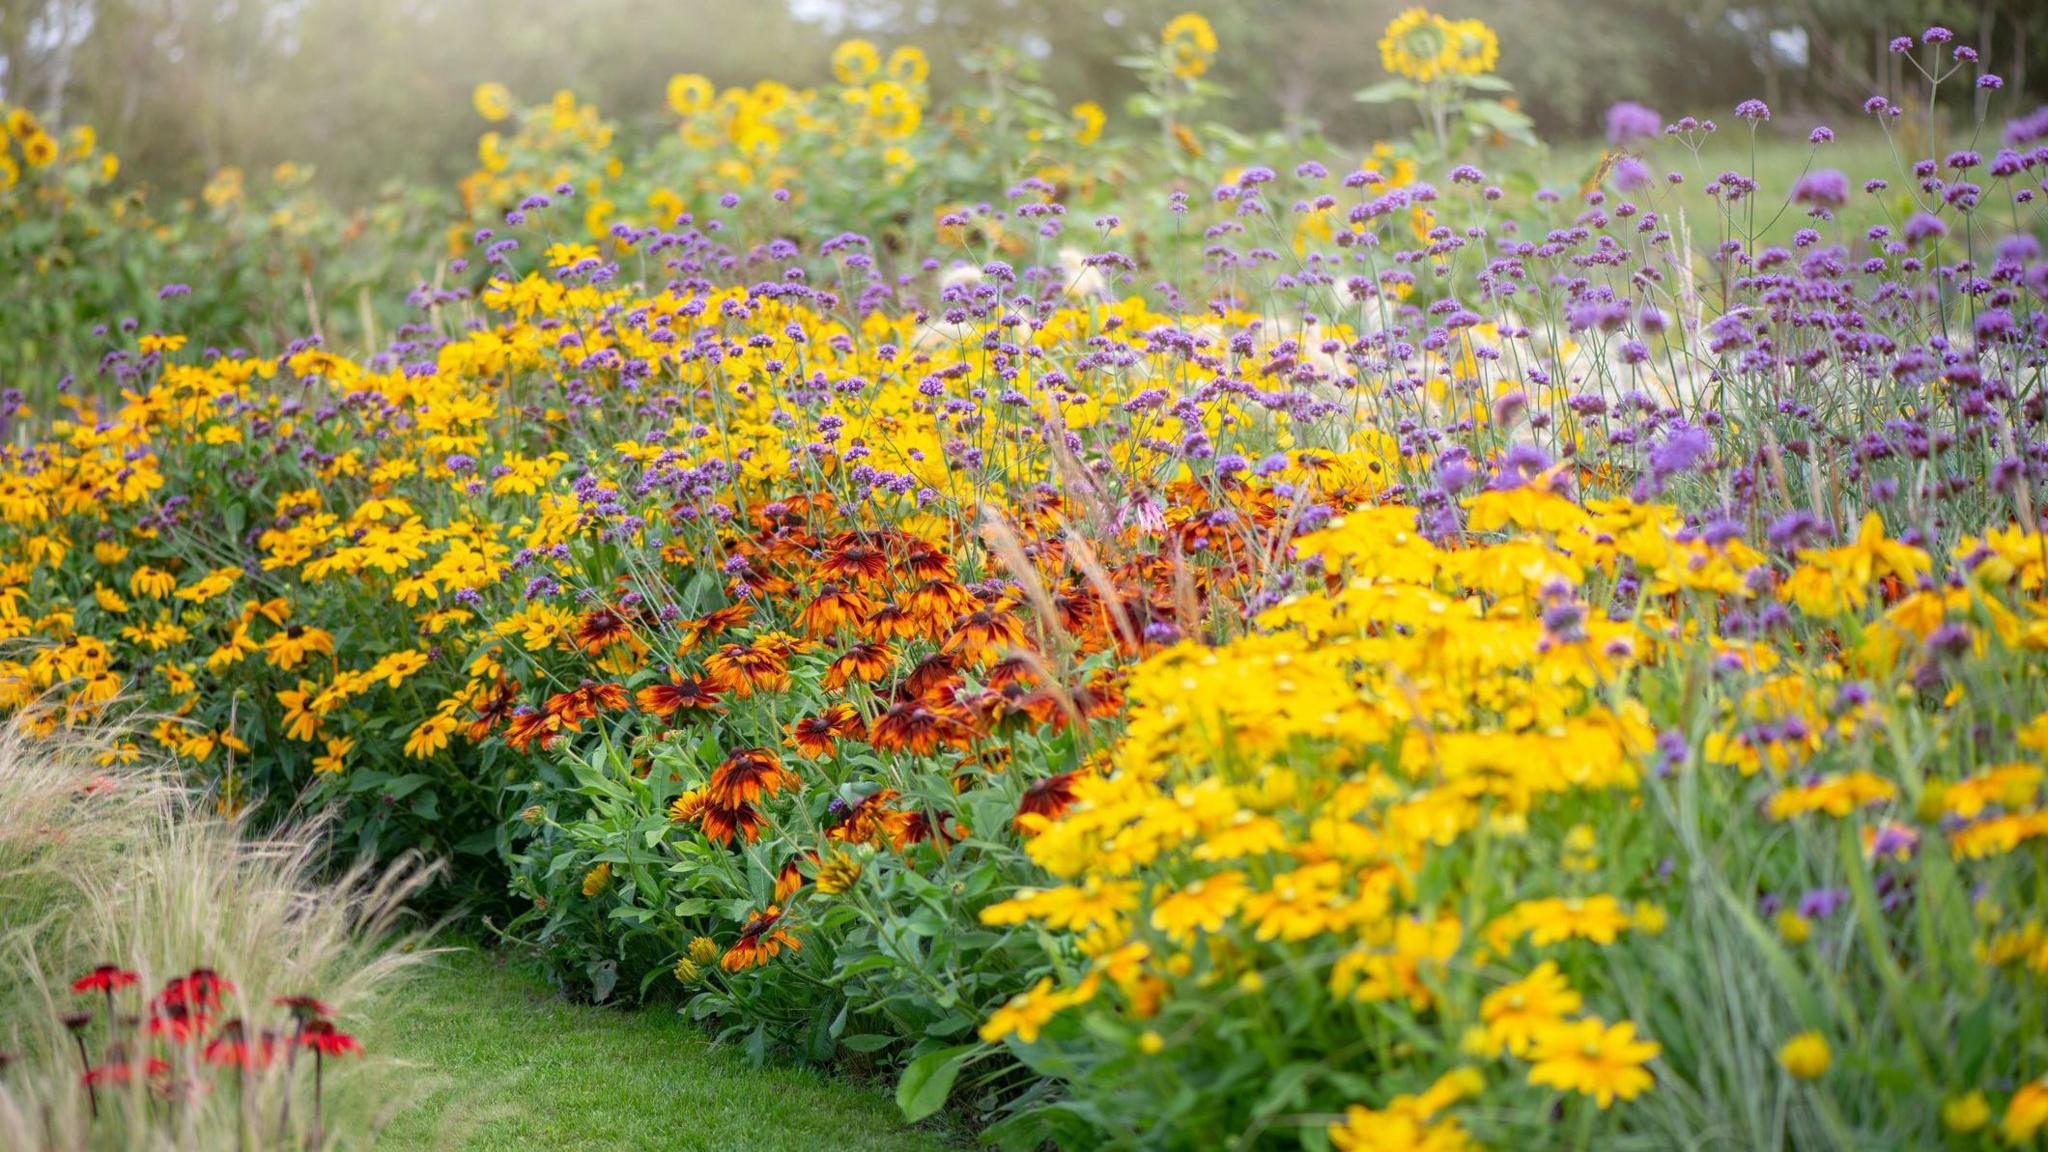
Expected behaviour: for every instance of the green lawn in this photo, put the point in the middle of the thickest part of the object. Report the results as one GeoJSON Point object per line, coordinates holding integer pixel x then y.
{"type": "Point", "coordinates": [502, 1064]}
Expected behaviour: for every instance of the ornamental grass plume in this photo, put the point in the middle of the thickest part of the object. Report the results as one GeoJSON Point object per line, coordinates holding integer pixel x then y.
{"type": "Point", "coordinates": [120, 877]}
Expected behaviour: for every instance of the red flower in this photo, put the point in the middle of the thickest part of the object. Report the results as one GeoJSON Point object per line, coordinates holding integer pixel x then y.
{"type": "Point", "coordinates": [123, 1071]}
{"type": "Point", "coordinates": [178, 1024]}
{"type": "Point", "coordinates": [1047, 799]}
{"type": "Point", "coordinates": [108, 978]}
{"type": "Point", "coordinates": [304, 1007]}
{"type": "Point", "coordinates": [198, 989]}
{"type": "Point", "coordinates": [323, 1037]}
{"type": "Point", "coordinates": [234, 1046]}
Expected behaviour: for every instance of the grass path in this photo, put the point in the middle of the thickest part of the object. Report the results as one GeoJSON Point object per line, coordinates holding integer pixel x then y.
{"type": "Point", "coordinates": [505, 1065]}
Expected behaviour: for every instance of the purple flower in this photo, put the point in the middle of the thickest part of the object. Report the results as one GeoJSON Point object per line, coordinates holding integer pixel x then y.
{"type": "Point", "coordinates": [1754, 111]}
{"type": "Point", "coordinates": [1822, 188]}
{"type": "Point", "coordinates": [1822, 903]}
{"type": "Point", "coordinates": [1628, 122]}
{"type": "Point", "coordinates": [1923, 227]}
{"type": "Point", "coordinates": [1631, 175]}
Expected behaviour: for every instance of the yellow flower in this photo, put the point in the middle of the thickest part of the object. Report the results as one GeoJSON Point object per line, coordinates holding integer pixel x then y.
{"type": "Point", "coordinates": [1089, 119]}
{"type": "Point", "coordinates": [1190, 45]}
{"type": "Point", "coordinates": [704, 951]}
{"type": "Point", "coordinates": [1473, 49]}
{"type": "Point", "coordinates": [1796, 929]}
{"type": "Point", "coordinates": [492, 101]}
{"type": "Point", "coordinates": [1202, 904]}
{"type": "Point", "coordinates": [1965, 1114]}
{"type": "Point", "coordinates": [1027, 1013]}
{"type": "Point", "coordinates": [1416, 45]}
{"type": "Point", "coordinates": [838, 875]}
{"type": "Point", "coordinates": [1594, 1059]}
{"type": "Point", "coordinates": [597, 879]}
{"type": "Point", "coordinates": [288, 648]}
{"type": "Point", "coordinates": [854, 61]}
{"type": "Point", "coordinates": [431, 736]}
{"type": "Point", "coordinates": [690, 94]}
{"type": "Point", "coordinates": [1514, 1015]}
{"type": "Point", "coordinates": [39, 149]}
{"type": "Point", "coordinates": [908, 65]}
{"type": "Point", "coordinates": [1806, 1056]}
{"type": "Point", "coordinates": [338, 747]}
{"type": "Point", "coordinates": [152, 582]}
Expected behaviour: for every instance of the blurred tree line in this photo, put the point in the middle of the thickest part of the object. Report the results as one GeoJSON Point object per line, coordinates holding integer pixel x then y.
{"type": "Point", "coordinates": [371, 90]}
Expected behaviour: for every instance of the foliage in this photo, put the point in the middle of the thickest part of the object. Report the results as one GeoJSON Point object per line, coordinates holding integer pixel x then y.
{"type": "Point", "coordinates": [1343, 660]}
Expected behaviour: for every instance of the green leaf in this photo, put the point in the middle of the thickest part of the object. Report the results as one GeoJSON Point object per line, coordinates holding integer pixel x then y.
{"type": "Point", "coordinates": [866, 1042]}
{"type": "Point", "coordinates": [929, 1080]}
{"type": "Point", "coordinates": [1386, 92]}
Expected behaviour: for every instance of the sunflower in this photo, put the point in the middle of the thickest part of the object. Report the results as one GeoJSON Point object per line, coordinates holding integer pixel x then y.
{"type": "Point", "coordinates": [1190, 44]}
{"type": "Point", "coordinates": [1592, 1058]}
{"type": "Point", "coordinates": [854, 61]}
{"type": "Point", "coordinates": [690, 94]}
{"type": "Point", "coordinates": [288, 649]}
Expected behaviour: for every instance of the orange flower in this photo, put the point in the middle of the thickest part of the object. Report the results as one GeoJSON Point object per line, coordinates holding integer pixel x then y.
{"type": "Point", "coordinates": [867, 822]}
{"type": "Point", "coordinates": [744, 669]}
{"type": "Point", "coordinates": [919, 728]}
{"type": "Point", "coordinates": [813, 736]}
{"type": "Point", "coordinates": [495, 709]}
{"type": "Point", "coordinates": [585, 701]}
{"type": "Point", "coordinates": [986, 631]}
{"type": "Point", "coordinates": [721, 823]}
{"type": "Point", "coordinates": [791, 877]}
{"type": "Point", "coordinates": [890, 623]}
{"type": "Point", "coordinates": [681, 693]}
{"type": "Point", "coordinates": [932, 673]}
{"type": "Point", "coordinates": [1047, 799]}
{"type": "Point", "coordinates": [927, 563]}
{"type": "Point", "coordinates": [937, 603]}
{"type": "Point", "coordinates": [761, 940]}
{"type": "Point", "coordinates": [746, 776]}
{"type": "Point", "coordinates": [833, 609]}
{"type": "Point", "coordinates": [866, 663]}
{"type": "Point", "coordinates": [531, 725]}
{"type": "Point", "coordinates": [853, 558]}
{"type": "Point", "coordinates": [600, 628]}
